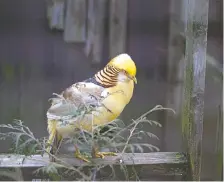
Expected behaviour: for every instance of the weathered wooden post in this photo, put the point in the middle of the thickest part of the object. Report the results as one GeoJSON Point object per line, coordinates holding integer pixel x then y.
{"type": "Point", "coordinates": [75, 21]}
{"type": "Point", "coordinates": [194, 81]}
{"type": "Point", "coordinates": [55, 14]}
{"type": "Point", "coordinates": [117, 28]}
{"type": "Point", "coordinates": [96, 29]}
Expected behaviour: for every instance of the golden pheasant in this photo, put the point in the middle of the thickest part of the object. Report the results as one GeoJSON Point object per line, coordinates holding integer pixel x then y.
{"type": "Point", "coordinates": [108, 92]}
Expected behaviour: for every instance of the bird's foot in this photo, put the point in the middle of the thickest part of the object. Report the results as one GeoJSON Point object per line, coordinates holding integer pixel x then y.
{"type": "Point", "coordinates": [103, 154]}
{"type": "Point", "coordinates": [78, 155]}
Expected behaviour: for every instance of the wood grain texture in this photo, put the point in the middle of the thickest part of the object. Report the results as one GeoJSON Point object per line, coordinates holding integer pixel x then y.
{"type": "Point", "coordinates": [160, 163]}
{"type": "Point", "coordinates": [166, 165]}
{"type": "Point", "coordinates": [194, 81]}
{"type": "Point", "coordinates": [75, 21]}
{"type": "Point", "coordinates": [55, 14]}
{"type": "Point", "coordinates": [96, 29]}
{"type": "Point", "coordinates": [118, 27]}
{"type": "Point", "coordinates": [13, 160]}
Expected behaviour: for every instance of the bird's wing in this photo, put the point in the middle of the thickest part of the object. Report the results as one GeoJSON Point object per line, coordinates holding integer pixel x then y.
{"type": "Point", "coordinates": [71, 102]}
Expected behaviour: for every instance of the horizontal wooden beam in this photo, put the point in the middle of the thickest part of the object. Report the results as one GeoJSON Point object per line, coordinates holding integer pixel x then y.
{"type": "Point", "coordinates": [154, 158]}
{"type": "Point", "coordinates": [151, 164]}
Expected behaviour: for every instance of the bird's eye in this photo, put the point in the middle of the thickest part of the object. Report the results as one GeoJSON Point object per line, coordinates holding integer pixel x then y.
{"type": "Point", "coordinates": [125, 72]}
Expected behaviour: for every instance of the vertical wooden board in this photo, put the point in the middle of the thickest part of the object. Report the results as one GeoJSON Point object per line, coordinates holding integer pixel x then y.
{"type": "Point", "coordinates": [96, 29]}
{"type": "Point", "coordinates": [75, 21]}
{"type": "Point", "coordinates": [194, 81]}
{"type": "Point", "coordinates": [55, 14]}
{"type": "Point", "coordinates": [49, 5]}
{"type": "Point", "coordinates": [174, 91]}
{"type": "Point", "coordinates": [219, 145]}
{"type": "Point", "coordinates": [118, 27]}
{"type": "Point", "coordinates": [90, 27]}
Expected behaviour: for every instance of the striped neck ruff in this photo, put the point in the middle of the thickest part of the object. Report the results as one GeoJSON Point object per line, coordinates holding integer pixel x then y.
{"type": "Point", "coordinates": [108, 76]}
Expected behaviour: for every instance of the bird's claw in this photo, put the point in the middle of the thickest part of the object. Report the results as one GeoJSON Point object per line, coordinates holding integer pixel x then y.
{"type": "Point", "coordinates": [78, 155]}
{"type": "Point", "coordinates": [103, 154]}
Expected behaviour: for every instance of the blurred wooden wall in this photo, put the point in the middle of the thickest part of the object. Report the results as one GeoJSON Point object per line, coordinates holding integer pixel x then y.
{"type": "Point", "coordinates": [85, 21]}
{"type": "Point", "coordinates": [37, 59]}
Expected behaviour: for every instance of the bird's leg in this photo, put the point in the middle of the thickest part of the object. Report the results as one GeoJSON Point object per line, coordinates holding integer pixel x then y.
{"type": "Point", "coordinates": [50, 145]}
{"type": "Point", "coordinates": [54, 145]}
{"type": "Point", "coordinates": [97, 154]}
{"type": "Point", "coordinates": [78, 155]}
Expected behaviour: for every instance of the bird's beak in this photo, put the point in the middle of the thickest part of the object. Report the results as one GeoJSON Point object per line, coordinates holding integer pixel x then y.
{"type": "Point", "coordinates": [134, 79]}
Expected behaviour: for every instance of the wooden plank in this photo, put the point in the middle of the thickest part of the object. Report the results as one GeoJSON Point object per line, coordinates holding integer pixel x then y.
{"type": "Point", "coordinates": [55, 14]}
{"type": "Point", "coordinates": [117, 27]}
{"type": "Point", "coordinates": [12, 160]}
{"type": "Point", "coordinates": [162, 163]}
{"type": "Point", "coordinates": [194, 81]}
{"type": "Point", "coordinates": [150, 164]}
{"type": "Point", "coordinates": [75, 21]}
{"type": "Point", "coordinates": [16, 175]}
{"type": "Point", "coordinates": [219, 145]}
{"type": "Point", "coordinates": [96, 29]}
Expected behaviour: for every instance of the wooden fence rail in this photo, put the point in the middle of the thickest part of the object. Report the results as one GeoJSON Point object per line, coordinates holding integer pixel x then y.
{"type": "Point", "coordinates": [158, 162]}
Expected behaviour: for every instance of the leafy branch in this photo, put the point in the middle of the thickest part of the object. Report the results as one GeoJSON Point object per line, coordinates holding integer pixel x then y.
{"type": "Point", "coordinates": [116, 137]}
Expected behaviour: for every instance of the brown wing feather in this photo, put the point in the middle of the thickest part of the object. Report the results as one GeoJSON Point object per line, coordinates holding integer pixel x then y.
{"type": "Point", "coordinates": [76, 96]}
{"type": "Point", "coordinates": [83, 93]}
